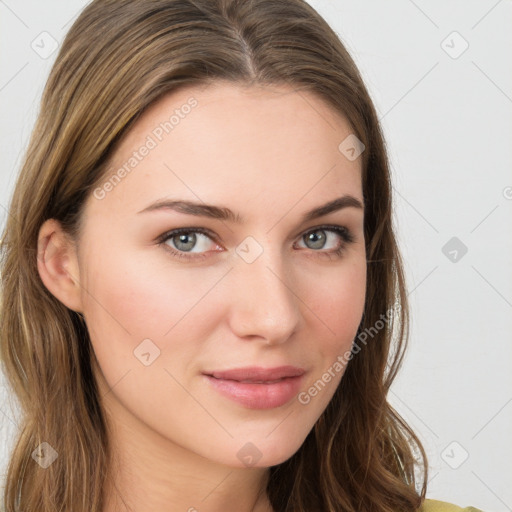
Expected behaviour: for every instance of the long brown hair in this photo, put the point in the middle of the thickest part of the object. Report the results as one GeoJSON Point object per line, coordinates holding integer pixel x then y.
{"type": "Point", "coordinates": [117, 59]}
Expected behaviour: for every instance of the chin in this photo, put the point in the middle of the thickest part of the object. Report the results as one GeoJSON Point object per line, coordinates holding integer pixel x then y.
{"type": "Point", "coordinates": [265, 452]}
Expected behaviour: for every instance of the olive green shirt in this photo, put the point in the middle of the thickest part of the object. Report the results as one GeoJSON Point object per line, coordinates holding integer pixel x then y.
{"type": "Point", "coordinates": [442, 506]}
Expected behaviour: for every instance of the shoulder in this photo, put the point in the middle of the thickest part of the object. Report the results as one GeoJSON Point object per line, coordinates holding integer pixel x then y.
{"type": "Point", "coordinates": [442, 506]}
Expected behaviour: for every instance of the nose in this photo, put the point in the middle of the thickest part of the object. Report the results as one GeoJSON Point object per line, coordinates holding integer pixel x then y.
{"type": "Point", "coordinates": [263, 302]}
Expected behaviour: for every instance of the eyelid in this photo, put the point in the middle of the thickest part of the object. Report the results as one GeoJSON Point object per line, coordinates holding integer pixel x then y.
{"type": "Point", "coordinates": [338, 228]}
{"type": "Point", "coordinates": [189, 229]}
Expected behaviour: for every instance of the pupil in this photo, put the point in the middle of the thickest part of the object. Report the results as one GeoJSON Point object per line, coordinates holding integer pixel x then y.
{"type": "Point", "coordinates": [183, 240]}
{"type": "Point", "coordinates": [316, 239]}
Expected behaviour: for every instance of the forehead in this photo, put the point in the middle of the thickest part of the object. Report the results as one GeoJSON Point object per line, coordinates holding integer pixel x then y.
{"type": "Point", "coordinates": [233, 144]}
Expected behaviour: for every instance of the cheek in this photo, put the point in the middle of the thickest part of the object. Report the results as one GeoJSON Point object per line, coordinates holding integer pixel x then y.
{"type": "Point", "coordinates": [339, 303]}
{"type": "Point", "coordinates": [338, 308]}
{"type": "Point", "coordinates": [129, 300]}
{"type": "Point", "coordinates": [141, 299]}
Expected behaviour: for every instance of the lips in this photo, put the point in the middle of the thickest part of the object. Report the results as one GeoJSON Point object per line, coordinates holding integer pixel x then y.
{"type": "Point", "coordinates": [256, 374]}
{"type": "Point", "coordinates": [256, 387]}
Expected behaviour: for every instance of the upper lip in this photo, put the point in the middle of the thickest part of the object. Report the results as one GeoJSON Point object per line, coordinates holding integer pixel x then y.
{"type": "Point", "coordinates": [258, 373]}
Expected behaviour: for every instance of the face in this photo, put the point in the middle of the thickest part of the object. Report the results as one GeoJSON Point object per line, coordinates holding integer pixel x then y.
{"type": "Point", "coordinates": [178, 296]}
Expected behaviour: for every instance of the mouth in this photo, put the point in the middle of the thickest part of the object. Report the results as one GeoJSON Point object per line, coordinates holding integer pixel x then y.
{"type": "Point", "coordinates": [256, 387]}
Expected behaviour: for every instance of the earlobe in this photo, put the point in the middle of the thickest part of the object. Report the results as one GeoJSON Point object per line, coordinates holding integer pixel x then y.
{"type": "Point", "coordinates": [57, 264]}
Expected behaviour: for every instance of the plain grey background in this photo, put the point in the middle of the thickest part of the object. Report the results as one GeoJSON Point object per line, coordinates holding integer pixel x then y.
{"type": "Point", "coordinates": [439, 73]}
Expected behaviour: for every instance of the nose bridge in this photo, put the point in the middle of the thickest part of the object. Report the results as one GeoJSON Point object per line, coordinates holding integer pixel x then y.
{"type": "Point", "coordinates": [264, 304]}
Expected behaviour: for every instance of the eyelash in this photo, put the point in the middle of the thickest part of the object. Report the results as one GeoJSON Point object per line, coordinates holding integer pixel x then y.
{"type": "Point", "coordinates": [342, 231]}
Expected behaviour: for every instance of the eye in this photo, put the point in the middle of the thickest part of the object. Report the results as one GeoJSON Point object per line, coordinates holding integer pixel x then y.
{"type": "Point", "coordinates": [182, 242]}
{"type": "Point", "coordinates": [317, 238]}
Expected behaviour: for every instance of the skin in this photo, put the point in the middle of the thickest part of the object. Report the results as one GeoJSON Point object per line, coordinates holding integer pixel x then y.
{"type": "Point", "coordinates": [177, 439]}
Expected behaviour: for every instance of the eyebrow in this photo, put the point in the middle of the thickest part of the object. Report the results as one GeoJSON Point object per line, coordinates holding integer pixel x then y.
{"type": "Point", "coordinates": [223, 213]}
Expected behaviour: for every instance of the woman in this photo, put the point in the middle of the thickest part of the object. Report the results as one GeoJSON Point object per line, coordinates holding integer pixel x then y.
{"type": "Point", "coordinates": [203, 301]}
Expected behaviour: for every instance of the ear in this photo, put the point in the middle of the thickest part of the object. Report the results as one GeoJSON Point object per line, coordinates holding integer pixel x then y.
{"type": "Point", "coordinates": [57, 263]}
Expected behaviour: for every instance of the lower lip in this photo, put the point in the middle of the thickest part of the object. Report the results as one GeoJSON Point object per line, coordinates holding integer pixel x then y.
{"type": "Point", "coordinates": [258, 396]}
